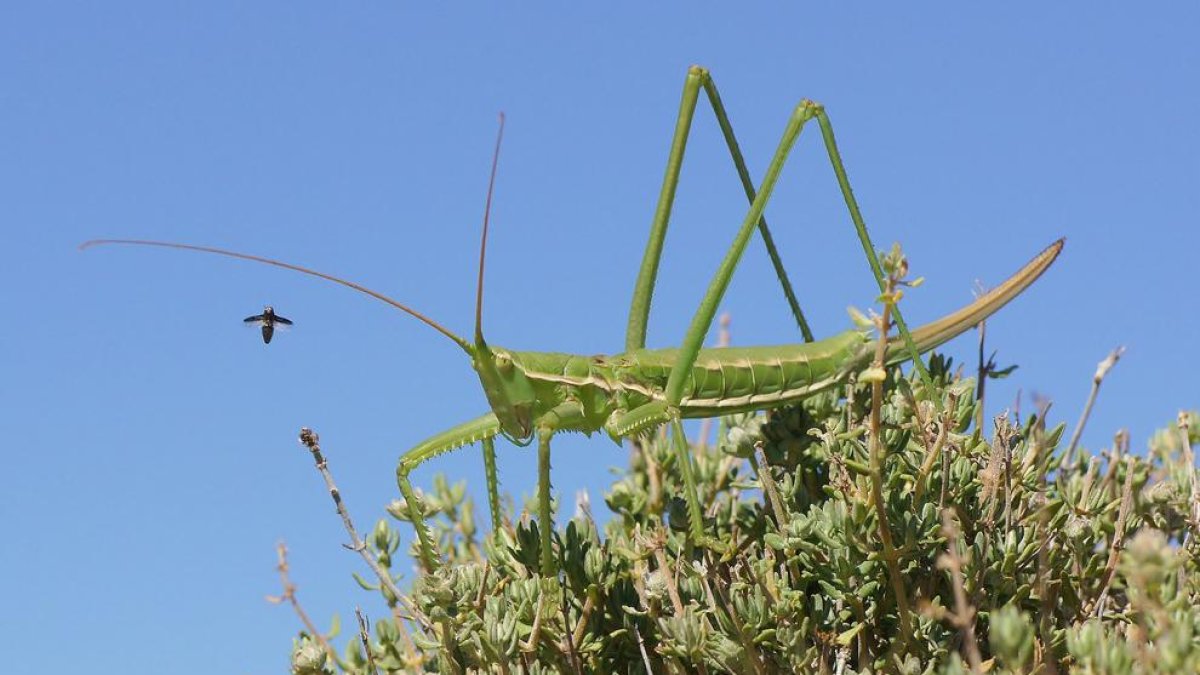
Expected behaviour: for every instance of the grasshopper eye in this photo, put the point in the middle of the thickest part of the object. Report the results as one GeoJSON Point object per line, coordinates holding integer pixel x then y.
{"type": "Point", "coordinates": [504, 364]}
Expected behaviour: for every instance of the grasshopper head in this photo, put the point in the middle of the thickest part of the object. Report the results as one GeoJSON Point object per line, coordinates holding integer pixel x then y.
{"type": "Point", "coordinates": [509, 392]}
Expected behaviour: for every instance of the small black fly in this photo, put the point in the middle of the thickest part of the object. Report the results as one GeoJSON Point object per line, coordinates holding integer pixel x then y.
{"type": "Point", "coordinates": [268, 320]}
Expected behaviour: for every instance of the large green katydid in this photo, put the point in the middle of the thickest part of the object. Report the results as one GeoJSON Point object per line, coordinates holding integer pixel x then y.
{"type": "Point", "coordinates": [538, 394]}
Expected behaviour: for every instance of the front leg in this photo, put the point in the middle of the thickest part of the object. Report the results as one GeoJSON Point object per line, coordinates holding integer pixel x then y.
{"type": "Point", "coordinates": [484, 429]}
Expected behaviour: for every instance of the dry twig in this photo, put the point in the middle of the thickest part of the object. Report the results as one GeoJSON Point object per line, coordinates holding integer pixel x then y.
{"type": "Point", "coordinates": [963, 616]}
{"type": "Point", "coordinates": [365, 636]}
{"type": "Point", "coordinates": [289, 596]}
{"type": "Point", "coordinates": [1101, 370]}
{"type": "Point", "coordinates": [312, 441]}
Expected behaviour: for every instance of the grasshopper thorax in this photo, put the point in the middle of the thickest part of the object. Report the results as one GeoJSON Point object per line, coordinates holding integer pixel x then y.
{"type": "Point", "coordinates": [509, 392]}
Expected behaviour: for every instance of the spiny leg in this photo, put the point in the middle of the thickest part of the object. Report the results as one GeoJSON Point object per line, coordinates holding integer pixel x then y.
{"type": "Point", "coordinates": [703, 318]}
{"type": "Point", "coordinates": [735, 151]}
{"type": "Point", "coordinates": [568, 415]}
{"type": "Point", "coordinates": [483, 428]}
{"type": "Point", "coordinates": [702, 321]}
{"type": "Point", "coordinates": [683, 457]}
{"type": "Point", "coordinates": [546, 523]}
{"type": "Point", "coordinates": [698, 78]}
{"type": "Point", "coordinates": [639, 310]}
{"type": "Point", "coordinates": [644, 419]}
{"type": "Point", "coordinates": [493, 481]}
{"type": "Point", "coordinates": [860, 227]}
{"type": "Point", "coordinates": [415, 514]}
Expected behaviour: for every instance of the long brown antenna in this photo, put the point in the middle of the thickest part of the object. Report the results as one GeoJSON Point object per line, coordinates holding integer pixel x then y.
{"type": "Point", "coordinates": [487, 211]}
{"type": "Point", "coordinates": [268, 261]}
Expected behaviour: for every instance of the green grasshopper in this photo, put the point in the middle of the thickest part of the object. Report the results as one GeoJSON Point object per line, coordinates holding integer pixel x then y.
{"type": "Point", "coordinates": [540, 394]}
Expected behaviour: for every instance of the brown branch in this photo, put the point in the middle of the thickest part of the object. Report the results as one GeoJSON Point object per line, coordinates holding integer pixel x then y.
{"type": "Point", "coordinates": [1043, 651]}
{"type": "Point", "coordinates": [1118, 542]}
{"type": "Point", "coordinates": [876, 464]}
{"type": "Point", "coordinates": [1005, 436]}
{"type": "Point", "coordinates": [963, 616]}
{"type": "Point", "coordinates": [585, 614]}
{"type": "Point", "coordinates": [985, 366]}
{"type": "Point", "coordinates": [312, 441]}
{"type": "Point", "coordinates": [1190, 458]}
{"type": "Point", "coordinates": [758, 461]}
{"type": "Point", "coordinates": [289, 596]}
{"type": "Point", "coordinates": [747, 640]}
{"type": "Point", "coordinates": [1120, 449]}
{"type": "Point", "coordinates": [365, 636]}
{"type": "Point", "coordinates": [642, 648]}
{"type": "Point", "coordinates": [932, 454]}
{"type": "Point", "coordinates": [535, 633]}
{"type": "Point", "coordinates": [572, 653]}
{"type": "Point", "coordinates": [1101, 370]}
{"type": "Point", "coordinates": [657, 542]}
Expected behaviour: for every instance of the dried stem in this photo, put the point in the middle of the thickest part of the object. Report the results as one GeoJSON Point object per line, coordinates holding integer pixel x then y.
{"type": "Point", "coordinates": [876, 462]}
{"type": "Point", "coordinates": [1043, 651]}
{"type": "Point", "coordinates": [289, 596]}
{"type": "Point", "coordinates": [934, 453]}
{"type": "Point", "coordinates": [535, 633]}
{"type": "Point", "coordinates": [1118, 542]}
{"type": "Point", "coordinates": [759, 462]}
{"type": "Point", "coordinates": [1185, 444]}
{"type": "Point", "coordinates": [963, 616]}
{"type": "Point", "coordinates": [1004, 435]}
{"type": "Point", "coordinates": [642, 648]}
{"type": "Point", "coordinates": [312, 441]}
{"type": "Point", "coordinates": [1101, 370]}
{"type": "Point", "coordinates": [573, 655]}
{"type": "Point", "coordinates": [985, 366]}
{"type": "Point", "coordinates": [589, 604]}
{"type": "Point", "coordinates": [656, 543]}
{"type": "Point", "coordinates": [364, 635]}
{"type": "Point", "coordinates": [744, 637]}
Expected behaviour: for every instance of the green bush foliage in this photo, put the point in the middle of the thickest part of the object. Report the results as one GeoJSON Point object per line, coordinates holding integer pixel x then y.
{"type": "Point", "coordinates": [873, 528]}
{"type": "Point", "coordinates": [987, 553]}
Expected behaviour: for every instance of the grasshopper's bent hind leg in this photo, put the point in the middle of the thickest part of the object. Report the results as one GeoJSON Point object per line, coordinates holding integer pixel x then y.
{"type": "Point", "coordinates": [639, 311]}
{"type": "Point", "coordinates": [699, 78]}
{"type": "Point", "coordinates": [864, 238]}
{"type": "Point", "coordinates": [484, 429]}
{"type": "Point", "coordinates": [681, 372]}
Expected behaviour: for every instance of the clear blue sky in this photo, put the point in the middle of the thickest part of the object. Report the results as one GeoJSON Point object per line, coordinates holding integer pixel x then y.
{"type": "Point", "coordinates": [149, 439]}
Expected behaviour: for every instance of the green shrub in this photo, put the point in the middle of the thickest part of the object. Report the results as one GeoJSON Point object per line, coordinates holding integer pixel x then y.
{"type": "Point", "coordinates": [1001, 558]}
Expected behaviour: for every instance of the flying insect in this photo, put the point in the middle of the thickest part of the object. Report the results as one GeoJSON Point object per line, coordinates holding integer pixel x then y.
{"type": "Point", "coordinates": [268, 320]}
